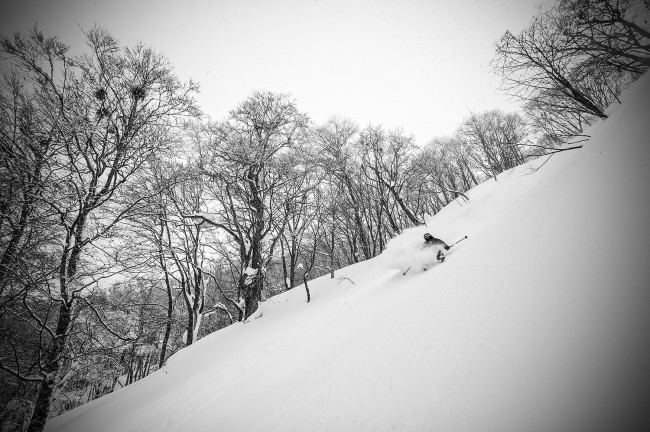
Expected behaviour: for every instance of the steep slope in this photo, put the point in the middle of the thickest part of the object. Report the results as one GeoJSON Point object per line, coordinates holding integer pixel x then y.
{"type": "Point", "coordinates": [537, 322]}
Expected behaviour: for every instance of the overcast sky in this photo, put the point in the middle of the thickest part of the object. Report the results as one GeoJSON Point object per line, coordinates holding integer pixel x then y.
{"type": "Point", "coordinates": [421, 65]}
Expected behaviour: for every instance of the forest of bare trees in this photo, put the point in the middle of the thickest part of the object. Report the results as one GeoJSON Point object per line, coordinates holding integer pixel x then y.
{"type": "Point", "coordinates": [131, 225]}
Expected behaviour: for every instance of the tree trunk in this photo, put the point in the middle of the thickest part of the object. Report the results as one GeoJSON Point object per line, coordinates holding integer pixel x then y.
{"type": "Point", "coordinates": [252, 288]}
{"type": "Point", "coordinates": [42, 407]}
{"type": "Point", "coordinates": [170, 297]}
{"type": "Point", "coordinates": [253, 284]}
{"type": "Point", "coordinates": [304, 279]}
{"type": "Point", "coordinates": [189, 327]}
{"type": "Point", "coordinates": [332, 244]}
{"type": "Point", "coordinates": [409, 214]}
{"type": "Point", "coordinates": [53, 354]}
{"type": "Point", "coordinates": [51, 370]}
{"type": "Point", "coordinates": [168, 323]}
{"type": "Point", "coordinates": [287, 287]}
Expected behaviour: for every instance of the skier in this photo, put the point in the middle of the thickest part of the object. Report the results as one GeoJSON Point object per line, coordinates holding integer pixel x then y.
{"type": "Point", "coordinates": [432, 242]}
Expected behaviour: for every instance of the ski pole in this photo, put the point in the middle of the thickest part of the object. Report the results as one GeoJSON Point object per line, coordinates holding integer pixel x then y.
{"type": "Point", "coordinates": [458, 242]}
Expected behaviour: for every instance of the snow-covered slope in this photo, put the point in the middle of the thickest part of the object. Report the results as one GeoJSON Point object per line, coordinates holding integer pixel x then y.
{"type": "Point", "coordinates": [539, 321]}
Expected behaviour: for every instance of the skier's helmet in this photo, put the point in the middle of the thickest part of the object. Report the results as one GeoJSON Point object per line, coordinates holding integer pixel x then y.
{"type": "Point", "coordinates": [428, 237]}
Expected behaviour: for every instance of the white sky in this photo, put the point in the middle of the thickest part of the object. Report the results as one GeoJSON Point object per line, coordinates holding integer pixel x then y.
{"type": "Point", "coordinates": [421, 65]}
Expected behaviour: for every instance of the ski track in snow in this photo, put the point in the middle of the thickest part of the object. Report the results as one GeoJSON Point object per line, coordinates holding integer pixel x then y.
{"type": "Point", "coordinates": [536, 322]}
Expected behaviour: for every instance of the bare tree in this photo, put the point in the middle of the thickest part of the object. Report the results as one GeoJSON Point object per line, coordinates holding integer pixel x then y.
{"type": "Point", "coordinates": [296, 219]}
{"type": "Point", "coordinates": [104, 114]}
{"type": "Point", "coordinates": [537, 61]}
{"type": "Point", "coordinates": [573, 60]}
{"type": "Point", "coordinates": [389, 157]}
{"type": "Point", "coordinates": [247, 161]}
{"type": "Point", "coordinates": [498, 137]}
{"type": "Point", "coordinates": [184, 245]}
{"type": "Point", "coordinates": [335, 141]}
{"type": "Point", "coordinates": [613, 34]}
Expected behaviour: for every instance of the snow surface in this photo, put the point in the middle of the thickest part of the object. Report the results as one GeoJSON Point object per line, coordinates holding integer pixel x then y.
{"type": "Point", "coordinates": [537, 322]}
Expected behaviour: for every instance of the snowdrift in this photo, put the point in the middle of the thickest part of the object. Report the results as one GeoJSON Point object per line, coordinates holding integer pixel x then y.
{"type": "Point", "coordinates": [539, 321]}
